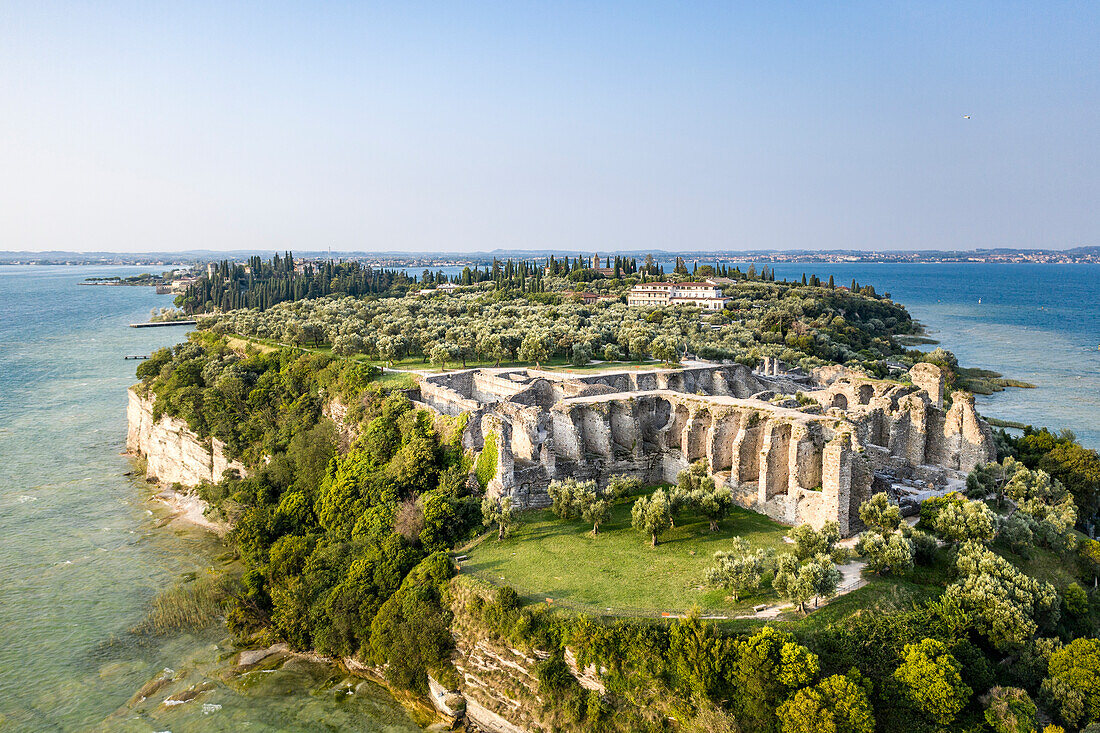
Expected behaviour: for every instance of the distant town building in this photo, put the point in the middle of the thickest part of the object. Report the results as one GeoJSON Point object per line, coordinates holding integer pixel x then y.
{"type": "Point", "coordinates": [444, 288]}
{"type": "Point", "coordinates": [705, 294]}
{"type": "Point", "coordinates": [605, 271]}
{"type": "Point", "coordinates": [180, 285]}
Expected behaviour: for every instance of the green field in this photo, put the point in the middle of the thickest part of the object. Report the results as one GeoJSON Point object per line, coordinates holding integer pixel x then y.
{"type": "Point", "coordinates": [547, 558]}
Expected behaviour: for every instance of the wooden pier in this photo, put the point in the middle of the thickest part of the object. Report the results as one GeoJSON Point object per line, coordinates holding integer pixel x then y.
{"type": "Point", "coordinates": [155, 324]}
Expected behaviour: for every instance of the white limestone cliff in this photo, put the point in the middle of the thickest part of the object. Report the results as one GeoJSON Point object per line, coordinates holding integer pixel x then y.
{"type": "Point", "coordinates": [172, 452]}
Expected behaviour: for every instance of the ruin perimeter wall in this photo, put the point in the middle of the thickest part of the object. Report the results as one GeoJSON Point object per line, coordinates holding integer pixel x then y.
{"type": "Point", "coordinates": [807, 460]}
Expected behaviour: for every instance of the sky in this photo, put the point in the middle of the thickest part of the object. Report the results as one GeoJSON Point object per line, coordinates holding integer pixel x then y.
{"type": "Point", "coordinates": [473, 126]}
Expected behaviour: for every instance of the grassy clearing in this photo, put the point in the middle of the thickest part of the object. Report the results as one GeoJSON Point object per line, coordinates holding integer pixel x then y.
{"type": "Point", "coordinates": [242, 343]}
{"type": "Point", "coordinates": [549, 558]}
{"type": "Point", "coordinates": [390, 379]}
{"type": "Point", "coordinates": [881, 595]}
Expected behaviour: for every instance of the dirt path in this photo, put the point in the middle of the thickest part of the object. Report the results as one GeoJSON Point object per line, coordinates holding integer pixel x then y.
{"type": "Point", "coordinates": [851, 578]}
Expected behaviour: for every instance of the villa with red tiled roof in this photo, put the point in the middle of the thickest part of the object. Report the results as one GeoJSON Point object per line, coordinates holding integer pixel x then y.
{"type": "Point", "coordinates": [705, 294]}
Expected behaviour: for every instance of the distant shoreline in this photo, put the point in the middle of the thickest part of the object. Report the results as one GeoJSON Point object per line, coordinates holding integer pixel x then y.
{"type": "Point", "coordinates": [1077, 255]}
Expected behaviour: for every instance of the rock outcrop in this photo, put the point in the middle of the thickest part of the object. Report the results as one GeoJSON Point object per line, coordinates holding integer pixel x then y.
{"type": "Point", "coordinates": [172, 452]}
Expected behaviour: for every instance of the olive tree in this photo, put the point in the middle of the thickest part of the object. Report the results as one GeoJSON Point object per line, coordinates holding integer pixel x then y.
{"type": "Point", "coordinates": [880, 514]}
{"type": "Point", "coordinates": [715, 505]}
{"type": "Point", "coordinates": [565, 496]}
{"type": "Point", "coordinates": [809, 541]}
{"type": "Point", "coordinates": [886, 554]}
{"type": "Point", "coordinates": [498, 511]}
{"type": "Point", "coordinates": [738, 570]}
{"type": "Point", "coordinates": [962, 520]}
{"type": "Point", "coordinates": [651, 515]}
{"type": "Point", "coordinates": [535, 348]}
{"type": "Point", "coordinates": [441, 354]}
{"type": "Point", "coordinates": [665, 348]}
{"type": "Point", "coordinates": [799, 583]}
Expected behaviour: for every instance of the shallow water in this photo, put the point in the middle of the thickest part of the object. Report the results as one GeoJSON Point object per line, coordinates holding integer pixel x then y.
{"type": "Point", "coordinates": [79, 547]}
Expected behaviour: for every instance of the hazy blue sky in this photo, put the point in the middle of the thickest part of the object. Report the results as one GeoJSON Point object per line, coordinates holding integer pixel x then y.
{"type": "Point", "coordinates": [474, 125]}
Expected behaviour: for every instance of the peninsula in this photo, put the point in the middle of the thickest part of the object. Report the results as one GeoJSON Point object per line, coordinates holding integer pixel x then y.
{"type": "Point", "coordinates": [542, 505]}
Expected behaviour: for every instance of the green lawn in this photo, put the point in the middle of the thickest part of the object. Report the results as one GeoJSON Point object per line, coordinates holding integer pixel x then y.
{"type": "Point", "coordinates": [618, 569]}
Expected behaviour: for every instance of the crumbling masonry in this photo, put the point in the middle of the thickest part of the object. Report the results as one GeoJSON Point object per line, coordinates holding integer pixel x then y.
{"type": "Point", "coordinates": [801, 449]}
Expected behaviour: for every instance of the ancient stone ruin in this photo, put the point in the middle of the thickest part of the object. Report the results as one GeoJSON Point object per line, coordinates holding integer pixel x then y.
{"type": "Point", "coordinates": [799, 448]}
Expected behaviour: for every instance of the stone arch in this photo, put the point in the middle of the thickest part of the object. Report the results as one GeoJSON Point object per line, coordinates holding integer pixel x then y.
{"type": "Point", "coordinates": [674, 437]}
{"type": "Point", "coordinates": [839, 401]}
{"type": "Point", "coordinates": [865, 393]}
{"type": "Point", "coordinates": [655, 415]}
{"type": "Point", "coordinates": [695, 437]}
{"type": "Point", "coordinates": [774, 464]}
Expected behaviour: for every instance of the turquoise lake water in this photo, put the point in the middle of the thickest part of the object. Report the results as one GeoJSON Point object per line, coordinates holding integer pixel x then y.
{"type": "Point", "coordinates": [80, 548]}
{"type": "Point", "coordinates": [82, 553]}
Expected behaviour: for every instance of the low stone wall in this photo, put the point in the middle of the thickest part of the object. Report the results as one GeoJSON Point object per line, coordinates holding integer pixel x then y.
{"type": "Point", "coordinates": [445, 399]}
{"type": "Point", "coordinates": [489, 387]}
{"type": "Point", "coordinates": [172, 452]}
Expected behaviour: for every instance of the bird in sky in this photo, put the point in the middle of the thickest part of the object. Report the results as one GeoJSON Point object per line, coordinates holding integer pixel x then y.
{"type": "Point", "coordinates": [966, 117]}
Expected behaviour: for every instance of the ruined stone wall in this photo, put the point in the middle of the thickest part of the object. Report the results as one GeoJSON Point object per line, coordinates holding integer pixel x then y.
{"type": "Point", "coordinates": [734, 380]}
{"type": "Point", "coordinates": [793, 462]}
{"type": "Point", "coordinates": [655, 435]}
{"type": "Point", "coordinates": [445, 396]}
{"type": "Point", "coordinates": [929, 377]}
{"type": "Point", "coordinates": [968, 440]}
{"type": "Point", "coordinates": [909, 421]}
{"type": "Point", "coordinates": [489, 387]}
